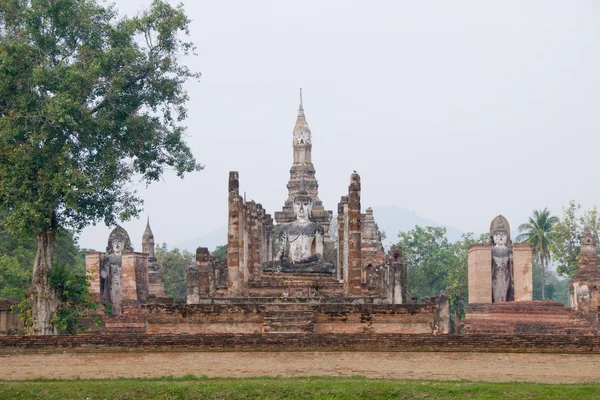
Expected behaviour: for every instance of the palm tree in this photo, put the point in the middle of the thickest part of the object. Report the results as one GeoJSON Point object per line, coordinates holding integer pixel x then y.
{"type": "Point", "coordinates": [537, 232]}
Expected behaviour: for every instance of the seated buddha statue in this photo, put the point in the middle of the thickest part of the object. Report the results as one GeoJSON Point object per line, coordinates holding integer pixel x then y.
{"type": "Point", "coordinates": [300, 242]}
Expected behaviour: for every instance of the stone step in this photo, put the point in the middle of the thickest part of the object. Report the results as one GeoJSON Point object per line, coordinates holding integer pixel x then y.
{"type": "Point", "coordinates": [288, 321]}
{"type": "Point", "coordinates": [289, 312]}
{"type": "Point", "coordinates": [299, 307]}
{"type": "Point", "coordinates": [289, 318]}
{"type": "Point", "coordinates": [290, 328]}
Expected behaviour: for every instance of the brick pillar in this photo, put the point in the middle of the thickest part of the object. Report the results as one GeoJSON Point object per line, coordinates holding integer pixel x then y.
{"type": "Point", "coordinates": [233, 235]}
{"type": "Point", "coordinates": [202, 262]}
{"type": "Point", "coordinates": [3, 320]}
{"type": "Point", "coordinates": [129, 289]}
{"type": "Point", "coordinates": [253, 240]}
{"type": "Point", "coordinates": [244, 243]}
{"type": "Point", "coordinates": [341, 239]}
{"type": "Point", "coordinates": [352, 284]}
{"type": "Point", "coordinates": [397, 277]}
{"type": "Point", "coordinates": [480, 273]}
{"type": "Point", "coordinates": [93, 260]}
{"type": "Point", "coordinates": [269, 237]}
{"type": "Point", "coordinates": [193, 285]}
{"type": "Point", "coordinates": [522, 268]}
{"type": "Point", "coordinates": [142, 277]}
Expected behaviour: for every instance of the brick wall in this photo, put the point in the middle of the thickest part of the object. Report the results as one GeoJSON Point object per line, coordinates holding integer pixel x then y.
{"type": "Point", "coordinates": [480, 273]}
{"type": "Point", "coordinates": [301, 342]}
{"type": "Point", "coordinates": [523, 271]}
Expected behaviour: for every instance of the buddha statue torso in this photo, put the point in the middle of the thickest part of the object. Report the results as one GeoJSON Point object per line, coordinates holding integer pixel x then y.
{"type": "Point", "coordinates": [301, 242]}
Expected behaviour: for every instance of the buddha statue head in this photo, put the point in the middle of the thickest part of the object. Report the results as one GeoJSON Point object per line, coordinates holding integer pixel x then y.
{"type": "Point", "coordinates": [500, 231]}
{"type": "Point", "coordinates": [303, 204]}
{"type": "Point", "coordinates": [118, 242]}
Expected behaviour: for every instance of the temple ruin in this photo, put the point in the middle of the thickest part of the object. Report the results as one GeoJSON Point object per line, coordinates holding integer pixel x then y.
{"type": "Point", "coordinates": [584, 289]}
{"type": "Point", "coordinates": [283, 274]}
{"type": "Point", "coordinates": [500, 288]}
{"type": "Point", "coordinates": [305, 272]}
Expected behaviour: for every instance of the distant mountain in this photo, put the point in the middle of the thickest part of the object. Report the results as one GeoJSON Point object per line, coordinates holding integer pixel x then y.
{"type": "Point", "coordinates": [391, 219]}
{"type": "Point", "coordinates": [211, 240]}
{"type": "Point", "coordinates": [394, 219]}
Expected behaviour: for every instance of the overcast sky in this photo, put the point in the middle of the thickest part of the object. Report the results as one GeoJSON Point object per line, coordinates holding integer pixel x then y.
{"type": "Point", "coordinates": [458, 110]}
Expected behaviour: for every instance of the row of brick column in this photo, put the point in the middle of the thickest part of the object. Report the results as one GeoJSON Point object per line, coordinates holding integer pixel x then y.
{"type": "Point", "coordinates": [249, 239]}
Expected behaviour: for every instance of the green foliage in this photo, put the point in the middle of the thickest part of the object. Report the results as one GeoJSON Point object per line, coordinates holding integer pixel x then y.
{"type": "Point", "coordinates": [537, 232]}
{"type": "Point", "coordinates": [555, 289]}
{"type": "Point", "coordinates": [220, 252]}
{"type": "Point", "coordinates": [435, 265]}
{"type": "Point", "coordinates": [16, 263]}
{"type": "Point", "coordinates": [290, 388]}
{"type": "Point", "coordinates": [87, 100]}
{"type": "Point", "coordinates": [173, 267]}
{"type": "Point", "coordinates": [17, 255]}
{"type": "Point", "coordinates": [566, 237]}
{"type": "Point", "coordinates": [76, 301]}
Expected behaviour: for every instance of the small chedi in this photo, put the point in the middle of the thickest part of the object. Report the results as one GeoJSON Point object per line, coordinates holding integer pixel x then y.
{"type": "Point", "coordinates": [312, 276]}
{"type": "Point", "coordinates": [584, 289]}
{"type": "Point", "coordinates": [501, 291]}
{"type": "Point", "coordinates": [155, 281]}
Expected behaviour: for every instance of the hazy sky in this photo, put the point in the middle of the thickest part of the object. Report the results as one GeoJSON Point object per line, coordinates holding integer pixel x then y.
{"type": "Point", "coordinates": [458, 110]}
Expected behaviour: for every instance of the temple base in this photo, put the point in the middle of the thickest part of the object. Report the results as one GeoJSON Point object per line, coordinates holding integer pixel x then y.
{"type": "Point", "coordinates": [313, 265]}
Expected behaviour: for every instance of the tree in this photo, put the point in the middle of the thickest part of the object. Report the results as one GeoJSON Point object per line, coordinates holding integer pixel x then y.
{"type": "Point", "coordinates": [555, 289]}
{"type": "Point", "coordinates": [435, 265]}
{"type": "Point", "coordinates": [220, 252]}
{"type": "Point", "coordinates": [566, 237]}
{"type": "Point", "coordinates": [537, 232]}
{"type": "Point", "coordinates": [427, 254]}
{"type": "Point", "coordinates": [87, 102]}
{"type": "Point", "coordinates": [173, 267]}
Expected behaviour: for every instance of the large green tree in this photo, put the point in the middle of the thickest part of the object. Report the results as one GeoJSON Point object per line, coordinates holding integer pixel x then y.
{"type": "Point", "coordinates": [436, 265]}
{"type": "Point", "coordinates": [88, 100]}
{"type": "Point", "coordinates": [173, 267]}
{"type": "Point", "coordinates": [566, 237]}
{"type": "Point", "coordinates": [537, 232]}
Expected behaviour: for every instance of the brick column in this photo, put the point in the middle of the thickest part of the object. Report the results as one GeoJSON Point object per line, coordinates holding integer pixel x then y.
{"type": "Point", "coordinates": [341, 238]}
{"type": "Point", "coordinates": [269, 237]}
{"type": "Point", "coordinates": [93, 260]}
{"type": "Point", "coordinates": [3, 320]}
{"type": "Point", "coordinates": [253, 239]}
{"type": "Point", "coordinates": [522, 268]}
{"type": "Point", "coordinates": [233, 235]}
{"type": "Point", "coordinates": [128, 275]}
{"type": "Point", "coordinates": [202, 262]}
{"type": "Point", "coordinates": [352, 284]}
{"type": "Point", "coordinates": [193, 285]}
{"type": "Point", "coordinates": [480, 273]}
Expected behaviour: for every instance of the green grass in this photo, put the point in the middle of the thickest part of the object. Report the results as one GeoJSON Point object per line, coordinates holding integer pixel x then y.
{"type": "Point", "coordinates": [287, 388]}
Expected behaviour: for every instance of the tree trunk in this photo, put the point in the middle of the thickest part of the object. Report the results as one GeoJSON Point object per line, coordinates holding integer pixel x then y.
{"type": "Point", "coordinates": [44, 298]}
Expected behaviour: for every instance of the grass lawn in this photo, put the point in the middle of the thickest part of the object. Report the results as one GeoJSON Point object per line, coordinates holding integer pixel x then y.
{"type": "Point", "coordinates": [287, 388]}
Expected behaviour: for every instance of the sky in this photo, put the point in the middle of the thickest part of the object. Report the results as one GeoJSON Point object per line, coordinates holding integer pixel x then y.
{"type": "Point", "coordinates": [456, 110]}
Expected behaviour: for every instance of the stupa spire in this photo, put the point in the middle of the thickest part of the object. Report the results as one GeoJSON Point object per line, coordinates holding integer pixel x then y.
{"type": "Point", "coordinates": [148, 230]}
{"type": "Point", "coordinates": [302, 174]}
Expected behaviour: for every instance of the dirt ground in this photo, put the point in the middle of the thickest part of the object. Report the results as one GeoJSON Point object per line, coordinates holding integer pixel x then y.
{"type": "Point", "coordinates": [493, 367]}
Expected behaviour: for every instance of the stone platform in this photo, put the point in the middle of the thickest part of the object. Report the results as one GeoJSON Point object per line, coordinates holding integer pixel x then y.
{"type": "Point", "coordinates": [296, 285]}
{"type": "Point", "coordinates": [523, 317]}
{"type": "Point", "coordinates": [301, 315]}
